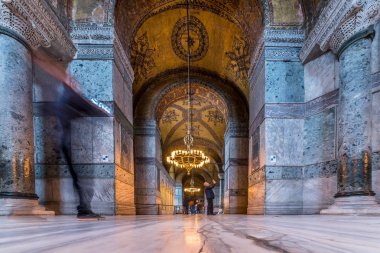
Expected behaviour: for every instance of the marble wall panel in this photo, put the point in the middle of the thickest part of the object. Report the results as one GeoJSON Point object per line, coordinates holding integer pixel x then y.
{"type": "Point", "coordinates": [81, 140]}
{"type": "Point", "coordinates": [145, 175]}
{"type": "Point", "coordinates": [257, 96]}
{"type": "Point", "coordinates": [103, 140]}
{"type": "Point", "coordinates": [376, 183]}
{"type": "Point", "coordinates": [47, 140]}
{"type": "Point", "coordinates": [256, 199]}
{"type": "Point", "coordinates": [254, 151]}
{"type": "Point", "coordinates": [144, 146]}
{"type": "Point", "coordinates": [262, 152]}
{"type": "Point", "coordinates": [238, 148]}
{"type": "Point", "coordinates": [93, 140]}
{"type": "Point", "coordinates": [83, 171]}
{"type": "Point", "coordinates": [376, 122]}
{"type": "Point", "coordinates": [319, 137]}
{"type": "Point", "coordinates": [318, 193]}
{"type": "Point", "coordinates": [375, 52]}
{"type": "Point", "coordinates": [124, 198]}
{"type": "Point", "coordinates": [284, 197]}
{"type": "Point", "coordinates": [95, 78]}
{"type": "Point", "coordinates": [284, 82]}
{"type": "Point", "coordinates": [284, 141]}
{"type": "Point", "coordinates": [121, 91]}
{"type": "Point", "coordinates": [44, 86]}
{"type": "Point", "coordinates": [321, 76]}
{"type": "Point", "coordinates": [58, 194]}
{"type": "Point", "coordinates": [237, 177]}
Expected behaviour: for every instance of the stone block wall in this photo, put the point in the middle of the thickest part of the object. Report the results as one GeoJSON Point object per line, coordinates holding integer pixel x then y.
{"type": "Point", "coordinates": [101, 147]}
{"type": "Point", "coordinates": [320, 133]}
{"type": "Point", "coordinates": [375, 71]}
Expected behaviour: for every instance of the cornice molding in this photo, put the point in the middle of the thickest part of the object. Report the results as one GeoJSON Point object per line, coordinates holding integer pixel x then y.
{"type": "Point", "coordinates": [36, 23]}
{"type": "Point", "coordinates": [339, 21]}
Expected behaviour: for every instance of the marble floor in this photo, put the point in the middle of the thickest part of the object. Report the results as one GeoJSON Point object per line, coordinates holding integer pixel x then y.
{"type": "Point", "coordinates": [199, 233]}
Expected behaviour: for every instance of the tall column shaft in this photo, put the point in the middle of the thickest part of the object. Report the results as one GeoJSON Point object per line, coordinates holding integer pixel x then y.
{"type": "Point", "coordinates": [236, 169]}
{"type": "Point", "coordinates": [221, 191]}
{"type": "Point", "coordinates": [354, 134]}
{"type": "Point", "coordinates": [355, 195]}
{"type": "Point", "coordinates": [16, 117]}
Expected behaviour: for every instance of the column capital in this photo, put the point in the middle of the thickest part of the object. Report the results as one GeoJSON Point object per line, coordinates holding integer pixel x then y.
{"type": "Point", "coordinates": [340, 21]}
{"type": "Point", "coordinates": [36, 23]}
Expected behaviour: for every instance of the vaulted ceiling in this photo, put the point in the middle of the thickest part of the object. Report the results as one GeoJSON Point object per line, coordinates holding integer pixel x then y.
{"type": "Point", "coordinates": [221, 33]}
{"type": "Point", "coordinates": [209, 117]}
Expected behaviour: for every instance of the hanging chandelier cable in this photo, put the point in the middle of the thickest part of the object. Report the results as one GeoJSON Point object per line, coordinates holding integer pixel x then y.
{"type": "Point", "coordinates": [188, 67]}
{"type": "Point", "coordinates": [188, 158]}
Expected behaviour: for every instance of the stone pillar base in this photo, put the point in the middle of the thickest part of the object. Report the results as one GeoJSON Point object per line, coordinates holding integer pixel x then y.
{"type": "Point", "coordinates": [236, 210]}
{"type": "Point", "coordinates": [147, 210]}
{"type": "Point", "coordinates": [9, 206]}
{"type": "Point", "coordinates": [354, 205]}
{"type": "Point", "coordinates": [255, 210]}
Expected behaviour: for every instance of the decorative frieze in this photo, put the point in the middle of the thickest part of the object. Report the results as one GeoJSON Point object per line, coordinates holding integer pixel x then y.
{"type": "Point", "coordinates": [90, 51]}
{"type": "Point", "coordinates": [339, 21]}
{"type": "Point", "coordinates": [92, 34]}
{"type": "Point", "coordinates": [36, 23]}
{"type": "Point", "coordinates": [284, 37]}
{"type": "Point", "coordinates": [282, 53]}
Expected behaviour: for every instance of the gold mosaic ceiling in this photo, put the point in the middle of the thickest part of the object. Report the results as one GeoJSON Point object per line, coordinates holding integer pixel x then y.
{"type": "Point", "coordinates": [208, 118]}
{"type": "Point", "coordinates": [218, 28]}
{"type": "Point", "coordinates": [217, 45]}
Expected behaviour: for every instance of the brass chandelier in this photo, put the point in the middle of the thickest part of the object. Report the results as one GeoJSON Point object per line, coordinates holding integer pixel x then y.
{"type": "Point", "coordinates": [188, 158]}
{"type": "Point", "coordinates": [192, 188]}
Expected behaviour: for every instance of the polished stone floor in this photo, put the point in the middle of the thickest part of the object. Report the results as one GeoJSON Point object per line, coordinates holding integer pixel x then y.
{"type": "Point", "coordinates": [199, 233]}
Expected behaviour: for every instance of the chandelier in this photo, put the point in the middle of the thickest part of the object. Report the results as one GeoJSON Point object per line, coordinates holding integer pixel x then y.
{"type": "Point", "coordinates": [192, 189]}
{"type": "Point", "coordinates": [188, 158]}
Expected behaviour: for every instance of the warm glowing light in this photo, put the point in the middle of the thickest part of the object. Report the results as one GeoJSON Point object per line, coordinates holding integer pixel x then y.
{"type": "Point", "coordinates": [188, 159]}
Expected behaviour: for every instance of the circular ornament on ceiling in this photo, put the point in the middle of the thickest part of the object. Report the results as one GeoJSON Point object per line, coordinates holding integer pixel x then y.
{"type": "Point", "coordinates": [198, 41]}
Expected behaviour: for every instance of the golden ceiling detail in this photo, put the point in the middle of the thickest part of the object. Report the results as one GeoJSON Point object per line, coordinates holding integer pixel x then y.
{"type": "Point", "coordinates": [214, 116]}
{"type": "Point", "coordinates": [239, 59]}
{"type": "Point", "coordinates": [195, 129]}
{"type": "Point", "coordinates": [198, 40]}
{"type": "Point", "coordinates": [169, 117]}
{"type": "Point", "coordinates": [142, 58]}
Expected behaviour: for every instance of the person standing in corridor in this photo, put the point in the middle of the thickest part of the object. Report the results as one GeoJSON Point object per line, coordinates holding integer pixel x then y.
{"type": "Point", "coordinates": [210, 196]}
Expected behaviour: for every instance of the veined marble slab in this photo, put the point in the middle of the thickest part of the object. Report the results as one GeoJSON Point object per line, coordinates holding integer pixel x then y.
{"type": "Point", "coordinates": [199, 233]}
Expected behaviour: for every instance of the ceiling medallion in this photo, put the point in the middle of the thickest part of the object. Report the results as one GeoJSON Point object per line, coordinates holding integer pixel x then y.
{"type": "Point", "coordinates": [188, 158]}
{"type": "Point", "coordinates": [198, 41]}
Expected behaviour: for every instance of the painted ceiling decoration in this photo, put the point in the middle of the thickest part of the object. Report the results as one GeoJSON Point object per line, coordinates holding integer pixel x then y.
{"type": "Point", "coordinates": [239, 59]}
{"type": "Point", "coordinates": [215, 117]}
{"type": "Point", "coordinates": [247, 15]}
{"type": "Point", "coordinates": [198, 41]}
{"type": "Point", "coordinates": [209, 118]}
{"type": "Point", "coordinates": [142, 58]}
{"type": "Point", "coordinates": [202, 96]}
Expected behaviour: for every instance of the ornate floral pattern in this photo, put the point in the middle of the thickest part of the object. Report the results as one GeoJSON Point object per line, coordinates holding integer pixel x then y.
{"type": "Point", "coordinates": [239, 59]}
{"type": "Point", "coordinates": [169, 117]}
{"type": "Point", "coordinates": [215, 117]}
{"type": "Point", "coordinates": [142, 56]}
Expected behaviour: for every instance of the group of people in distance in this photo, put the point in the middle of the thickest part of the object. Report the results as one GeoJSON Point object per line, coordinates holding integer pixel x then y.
{"type": "Point", "coordinates": [193, 205]}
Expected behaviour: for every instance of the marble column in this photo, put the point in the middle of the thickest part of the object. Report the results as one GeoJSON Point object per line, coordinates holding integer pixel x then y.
{"type": "Point", "coordinates": [17, 179]}
{"type": "Point", "coordinates": [147, 174]}
{"type": "Point", "coordinates": [236, 169]}
{"type": "Point", "coordinates": [355, 195]}
{"type": "Point", "coordinates": [221, 191]}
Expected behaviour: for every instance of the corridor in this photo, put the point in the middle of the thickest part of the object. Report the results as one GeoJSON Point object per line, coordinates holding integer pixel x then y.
{"type": "Point", "coordinates": [185, 234]}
